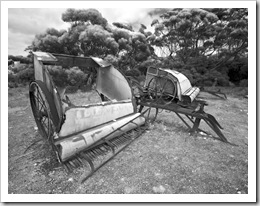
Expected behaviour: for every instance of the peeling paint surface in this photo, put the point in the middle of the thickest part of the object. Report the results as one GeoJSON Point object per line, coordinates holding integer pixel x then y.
{"type": "Point", "coordinates": [85, 139]}
{"type": "Point", "coordinates": [81, 118]}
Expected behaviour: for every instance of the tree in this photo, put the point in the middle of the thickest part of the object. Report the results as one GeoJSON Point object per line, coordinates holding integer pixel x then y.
{"type": "Point", "coordinates": [21, 59]}
{"type": "Point", "coordinates": [91, 35]}
{"type": "Point", "coordinates": [185, 32]}
{"type": "Point", "coordinates": [231, 40]}
{"type": "Point", "coordinates": [84, 16]}
{"type": "Point", "coordinates": [202, 39]}
{"type": "Point", "coordinates": [188, 33]}
{"type": "Point", "coordinates": [97, 41]}
{"type": "Point", "coordinates": [48, 41]}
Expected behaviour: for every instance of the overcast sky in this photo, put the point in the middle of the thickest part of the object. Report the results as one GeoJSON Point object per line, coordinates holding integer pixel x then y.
{"type": "Point", "coordinates": [25, 23]}
{"type": "Point", "coordinates": [28, 18]}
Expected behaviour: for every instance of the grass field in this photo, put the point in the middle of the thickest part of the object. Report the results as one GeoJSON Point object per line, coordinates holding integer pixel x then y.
{"type": "Point", "coordinates": [165, 159]}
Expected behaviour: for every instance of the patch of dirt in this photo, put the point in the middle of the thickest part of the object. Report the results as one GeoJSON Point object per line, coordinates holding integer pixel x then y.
{"type": "Point", "coordinates": [165, 159]}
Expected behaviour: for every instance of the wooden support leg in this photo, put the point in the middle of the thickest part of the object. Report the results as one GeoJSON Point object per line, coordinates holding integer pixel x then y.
{"type": "Point", "coordinates": [195, 125]}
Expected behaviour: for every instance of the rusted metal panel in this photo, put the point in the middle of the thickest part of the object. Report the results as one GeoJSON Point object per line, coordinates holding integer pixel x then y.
{"type": "Point", "coordinates": [113, 84]}
{"type": "Point", "coordinates": [38, 69]}
{"type": "Point", "coordinates": [76, 143]}
{"type": "Point", "coordinates": [42, 74]}
{"type": "Point", "coordinates": [180, 81]}
{"type": "Point", "coordinates": [190, 94]}
{"type": "Point", "coordinates": [82, 118]}
{"type": "Point", "coordinates": [183, 81]}
{"type": "Point", "coordinates": [44, 57]}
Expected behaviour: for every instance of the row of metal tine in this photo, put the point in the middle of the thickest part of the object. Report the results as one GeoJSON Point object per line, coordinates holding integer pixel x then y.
{"type": "Point", "coordinates": [114, 145]}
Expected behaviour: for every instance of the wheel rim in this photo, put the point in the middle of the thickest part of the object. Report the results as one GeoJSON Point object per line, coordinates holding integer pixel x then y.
{"type": "Point", "coordinates": [161, 90]}
{"type": "Point", "coordinates": [150, 113]}
{"type": "Point", "coordinates": [152, 89]}
{"type": "Point", "coordinates": [168, 92]}
{"type": "Point", "coordinates": [41, 111]}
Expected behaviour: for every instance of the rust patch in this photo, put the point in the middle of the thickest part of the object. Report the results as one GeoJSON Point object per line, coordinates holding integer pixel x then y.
{"type": "Point", "coordinates": [94, 134]}
{"type": "Point", "coordinates": [78, 138]}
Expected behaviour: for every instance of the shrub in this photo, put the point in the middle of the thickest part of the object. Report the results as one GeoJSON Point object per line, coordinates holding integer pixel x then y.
{"type": "Point", "coordinates": [25, 76]}
{"type": "Point", "coordinates": [133, 73]}
{"type": "Point", "coordinates": [18, 68]}
{"type": "Point", "coordinates": [76, 77]}
{"type": "Point", "coordinates": [59, 75]}
{"type": "Point", "coordinates": [72, 78]}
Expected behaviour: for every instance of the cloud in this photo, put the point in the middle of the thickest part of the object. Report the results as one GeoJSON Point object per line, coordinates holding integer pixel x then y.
{"type": "Point", "coordinates": [30, 21]}
{"type": "Point", "coordinates": [158, 11]}
{"type": "Point", "coordinates": [25, 23]}
{"type": "Point", "coordinates": [134, 16]}
{"type": "Point", "coordinates": [17, 42]}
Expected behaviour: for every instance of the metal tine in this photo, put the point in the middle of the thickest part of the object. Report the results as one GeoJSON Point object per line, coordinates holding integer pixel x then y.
{"type": "Point", "coordinates": [83, 155]}
{"type": "Point", "coordinates": [123, 140]}
{"type": "Point", "coordinates": [93, 152]}
{"type": "Point", "coordinates": [125, 136]}
{"type": "Point", "coordinates": [100, 151]}
{"type": "Point", "coordinates": [71, 164]}
{"type": "Point", "coordinates": [104, 149]}
{"type": "Point", "coordinates": [117, 144]}
{"type": "Point", "coordinates": [96, 152]}
{"type": "Point", "coordinates": [91, 164]}
{"type": "Point", "coordinates": [88, 154]}
{"type": "Point", "coordinates": [91, 155]}
{"type": "Point", "coordinates": [116, 141]}
{"type": "Point", "coordinates": [112, 144]}
{"type": "Point", "coordinates": [77, 161]}
{"type": "Point", "coordinates": [108, 147]}
{"type": "Point", "coordinates": [103, 163]}
{"type": "Point", "coordinates": [68, 170]}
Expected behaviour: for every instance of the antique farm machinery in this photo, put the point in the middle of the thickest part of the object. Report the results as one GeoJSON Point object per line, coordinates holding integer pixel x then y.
{"type": "Point", "coordinates": [93, 134]}
{"type": "Point", "coordinates": [170, 90]}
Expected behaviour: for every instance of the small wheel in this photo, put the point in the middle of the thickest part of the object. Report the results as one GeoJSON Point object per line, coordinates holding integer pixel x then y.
{"type": "Point", "coordinates": [152, 89]}
{"type": "Point", "coordinates": [161, 89]}
{"type": "Point", "coordinates": [168, 91]}
{"type": "Point", "coordinates": [42, 108]}
{"type": "Point", "coordinates": [150, 113]}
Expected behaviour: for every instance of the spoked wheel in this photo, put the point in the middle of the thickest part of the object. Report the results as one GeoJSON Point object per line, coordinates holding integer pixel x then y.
{"type": "Point", "coordinates": [152, 89]}
{"type": "Point", "coordinates": [162, 90]}
{"type": "Point", "coordinates": [42, 108]}
{"type": "Point", "coordinates": [150, 113]}
{"type": "Point", "coordinates": [168, 91]}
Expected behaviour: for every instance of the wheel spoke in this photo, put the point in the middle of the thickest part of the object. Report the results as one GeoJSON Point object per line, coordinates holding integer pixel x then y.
{"type": "Point", "coordinates": [41, 110]}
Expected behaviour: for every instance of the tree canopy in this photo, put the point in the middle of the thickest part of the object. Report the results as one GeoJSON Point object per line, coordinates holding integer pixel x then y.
{"type": "Point", "coordinates": [202, 40]}
{"type": "Point", "coordinates": [188, 33]}
{"type": "Point", "coordinates": [195, 41]}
